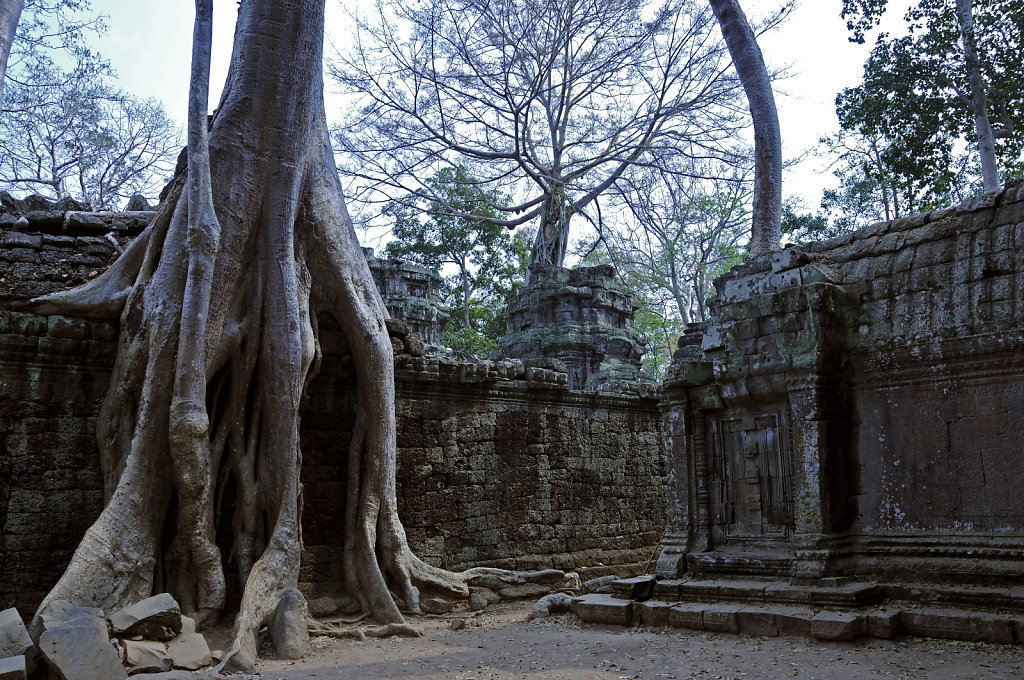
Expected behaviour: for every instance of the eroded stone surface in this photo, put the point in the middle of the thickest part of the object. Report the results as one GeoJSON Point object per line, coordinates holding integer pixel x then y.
{"type": "Point", "coordinates": [80, 649]}
{"type": "Point", "coordinates": [157, 617]}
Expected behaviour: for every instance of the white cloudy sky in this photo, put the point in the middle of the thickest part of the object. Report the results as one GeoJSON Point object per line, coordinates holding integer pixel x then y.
{"type": "Point", "coordinates": [149, 44]}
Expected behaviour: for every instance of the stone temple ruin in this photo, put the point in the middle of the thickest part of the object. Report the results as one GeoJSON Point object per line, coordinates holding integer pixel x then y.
{"type": "Point", "coordinates": [843, 433]}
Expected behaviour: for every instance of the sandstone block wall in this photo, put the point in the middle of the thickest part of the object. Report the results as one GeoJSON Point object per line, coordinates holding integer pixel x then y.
{"type": "Point", "coordinates": [882, 376]}
{"type": "Point", "coordinates": [498, 464]}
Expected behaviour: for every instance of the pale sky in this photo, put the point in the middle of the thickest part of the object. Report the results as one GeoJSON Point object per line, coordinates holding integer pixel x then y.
{"type": "Point", "coordinates": [149, 44]}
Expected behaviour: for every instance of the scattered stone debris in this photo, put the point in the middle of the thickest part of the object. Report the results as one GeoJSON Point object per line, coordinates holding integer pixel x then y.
{"type": "Point", "coordinates": [81, 643]}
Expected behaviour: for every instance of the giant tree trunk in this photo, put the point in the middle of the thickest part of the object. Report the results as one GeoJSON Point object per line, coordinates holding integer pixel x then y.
{"type": "Point", "coordinates": [986, 139]}
{"type": "Point", "coordinates": [218, 340]}
{"type": "Point", "coordinates": [766, 228]}
{"type": "Point", "coordinates": [10, 15]}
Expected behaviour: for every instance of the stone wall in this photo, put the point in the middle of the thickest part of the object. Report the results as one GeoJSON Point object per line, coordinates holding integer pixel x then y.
{"type": "Point", "coordinates": [853, 407]}
{"type": "Point", "coordinates": [499, 464]}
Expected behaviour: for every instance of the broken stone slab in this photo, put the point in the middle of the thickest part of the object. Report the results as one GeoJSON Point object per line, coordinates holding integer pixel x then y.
{"type": "Point", "coordinates": [837, 626]}
{"type": "Point", "coordinates": [289, 630]}
{"type": "Point", "coordinates": [80, 649]}
{"type": "Point", "coordinates": [146, 656]}
{"type": "Point", "coordinates": [477, 602]}
{"type": "Point", "coordinates": [527, 591]}
{"type": "Point", "coordinates": [601, 608]}
{"type": "Point", "coordinates": [57, 612]}
{"type": "Point", "coordinates": [14, 638]}
{"type": "Point", "coordinates": [435, 605]}
{"type": "Point", "coordinates": [636, 588]}
{"type": "Point", "coordinates": [13, 668]}
{"type": "Point", "coordinates": [156, 618]}
{"type": "Point", "coordinates": [189, 651]}
{"type": "Point", "coordinates": [601, 584]}
{"type": "Point", "coordinates": [555, 603]}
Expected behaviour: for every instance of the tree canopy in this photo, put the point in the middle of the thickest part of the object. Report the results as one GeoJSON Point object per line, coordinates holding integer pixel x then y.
{"type": "Point", "coordinates": [66, 129]}
{"type": "Point", "coordinates": [549, 101]}
{"type": "Point", "coordinates": [915, 111]}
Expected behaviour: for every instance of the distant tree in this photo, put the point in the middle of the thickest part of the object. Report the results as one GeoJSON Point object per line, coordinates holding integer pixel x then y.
{"type": "Point", "coordinates": [66, 130]}
{"type": "Point", "coordinates": [682, 234]}
{"type": "Point", "coordinates": [954, 77]}
{"type": "Point", "coordinates": [488, 260]}
{"type": "Point", "coordinates": [549, 100]}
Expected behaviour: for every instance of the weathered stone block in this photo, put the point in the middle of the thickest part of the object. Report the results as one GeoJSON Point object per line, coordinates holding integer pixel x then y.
{"type": "Point", "coordinates": [757, 621]}
{"type": "Point", "coordinates": [13, 668]}
{"type": "Point", "coordinates": [882, 624]}
{"type": "Point", "coordinates": [157, 617]}
{"type": "Point", "coordinates": [828, 625]}
{"type": "Point", "coordinates": [598, 608]}
{"type": "Point", "coordinates": [654, 613]}
{"type": "Point", "coordinates": [80, 650]}
{"type": "Point", "coordinates": [721, 619]}
{"type": "Point", "coordinates": [686, 615]}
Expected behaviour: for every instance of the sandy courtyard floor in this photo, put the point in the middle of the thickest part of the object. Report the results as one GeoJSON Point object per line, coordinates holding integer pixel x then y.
{"type": "Point", "coordinates": [504, 644]}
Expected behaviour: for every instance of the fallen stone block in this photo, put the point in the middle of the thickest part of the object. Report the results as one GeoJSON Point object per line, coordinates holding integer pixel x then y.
{"type": "Point", "coordinates": [157, 618]}
{"type": "Point", "coordinates": [289, 630]}
{"type": "Point", "coordinates": [435, 605]}
{"type": "Point", "coordinates": [13, 668]}
{"type": "Point", "coordinates": [721, 619]}
{"type": "Point", "coordinates": [146, 656]}
{"type": "Point", "coordinates": [601, 584]}
{"type": "Point", "coordinates": [477, 602]}
{"type": "Point", "coordinates": [829, 625]}
{"type": "Point", "coordinates": [527, 591]}
{"type": "Point", "coordinates": [636, 588]}
{"type": "Point", "coordinates": [189, 651]}
{"type": "Point", "coordinates": [80, 649]}
{"type": "Point", "coordinates": [654, 613]}
{"type": "Point", "coordinates": [57, 612]}
{"type": "Point", "coordinates": [14, 638]}
{"type": "Point", "coordinates": [601, 608]}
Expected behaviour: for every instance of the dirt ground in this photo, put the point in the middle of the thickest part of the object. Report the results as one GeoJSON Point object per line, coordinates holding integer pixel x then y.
{"type": "Point", "coordinates": [504, 644]}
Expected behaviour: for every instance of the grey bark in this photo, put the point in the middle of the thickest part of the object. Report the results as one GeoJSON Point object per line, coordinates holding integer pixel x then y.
{"type": "Point", "coordinates": [259, 213]}
{"type": "Point", "coordinates": [10, 14]}
{"type": "Point", "coordinates": [766, 227]}
{"type": "Point", "coordinates": [986, 138]}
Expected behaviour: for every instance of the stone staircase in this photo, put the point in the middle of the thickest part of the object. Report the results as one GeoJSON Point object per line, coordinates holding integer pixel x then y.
{"type": "Point", "coordinates": [836, 609]}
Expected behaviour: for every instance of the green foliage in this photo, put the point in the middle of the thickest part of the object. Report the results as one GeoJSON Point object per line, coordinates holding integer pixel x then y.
{"type": "Point", "coordinates": [908, 127]}
{"type": "Point", "coordinates": [455, 229]}
{"type": "Point", "coordinates": [65, 128]}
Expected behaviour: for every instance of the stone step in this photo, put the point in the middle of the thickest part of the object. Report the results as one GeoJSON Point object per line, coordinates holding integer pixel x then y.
{"type": "Point", "coordinates": [794, 620]}
{"type": "Point", "coordinates": [768, 592]}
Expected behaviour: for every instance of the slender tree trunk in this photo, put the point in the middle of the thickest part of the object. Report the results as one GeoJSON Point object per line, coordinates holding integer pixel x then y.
{"type": "Point", "coordinates": [10, 14]}
{"type": "Point", "coordinates": [552, 241]}
{"type": "Point", "coordinates": [986, 139]}
{"type": "Point", "coordinates": [206, 387]}
{"type": "Point", "coordinates": [766, 228]}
